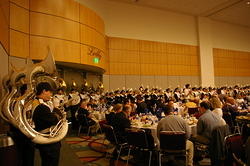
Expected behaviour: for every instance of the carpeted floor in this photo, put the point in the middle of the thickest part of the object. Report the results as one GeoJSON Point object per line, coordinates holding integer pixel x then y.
{"type": "Point", "coordinates": [91, 151]}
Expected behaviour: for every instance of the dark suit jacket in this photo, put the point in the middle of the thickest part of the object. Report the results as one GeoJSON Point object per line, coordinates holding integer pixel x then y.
{"type": "Point", "coordinates": [43, 117]}
{"type": "Point", "coordinates": [120, 123]}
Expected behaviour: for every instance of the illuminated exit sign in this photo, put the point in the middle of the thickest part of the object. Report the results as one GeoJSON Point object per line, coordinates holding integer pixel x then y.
{"type": "Point", "coordinates": [96, 60]}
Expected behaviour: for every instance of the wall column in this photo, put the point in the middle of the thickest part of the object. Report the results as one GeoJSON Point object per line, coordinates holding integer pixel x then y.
{"type": "Point", "coordinates": [206, 52]}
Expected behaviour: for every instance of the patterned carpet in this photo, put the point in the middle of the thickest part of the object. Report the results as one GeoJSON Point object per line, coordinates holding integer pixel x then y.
{"type": "Point", "coordinates": [91, 150]}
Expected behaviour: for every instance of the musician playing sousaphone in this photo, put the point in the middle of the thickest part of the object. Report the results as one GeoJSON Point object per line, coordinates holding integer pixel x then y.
{"type": "Point", "coordinates": [44, 118]}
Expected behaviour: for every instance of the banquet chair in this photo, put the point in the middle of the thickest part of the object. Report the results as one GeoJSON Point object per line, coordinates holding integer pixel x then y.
{"type": "Point", "coordinates": [217, 145]}
{"type": "Point", "coordinates": [172, 143]}
{"type": "Point", "coordinates": [111, 137]}
{"type": "Point", "coordinates": [229, 120]}
{"type": "Point", "coordinates": [233, 145]}
{"type": "Point", "coordinates": [83, 123]}
{"type": "Point", "coordinates": [238, 161]}
{"type": "Point", "coordinates": [142, 140]}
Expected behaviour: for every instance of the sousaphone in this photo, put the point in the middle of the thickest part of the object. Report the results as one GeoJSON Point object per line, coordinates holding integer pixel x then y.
{"type": "Point", "coordinates": [17, 105]}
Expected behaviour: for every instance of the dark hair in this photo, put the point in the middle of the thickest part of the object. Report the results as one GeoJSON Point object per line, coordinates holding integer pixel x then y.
{"type": "Point", "coordinates": [167, 109]}
{"type": "Point", "coordinates": [205, 104]}
{"type": "Point", "coordinates": [43, 86]}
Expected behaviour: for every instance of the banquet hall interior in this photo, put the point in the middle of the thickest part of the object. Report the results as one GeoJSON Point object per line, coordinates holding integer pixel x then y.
{"type": "Point", "coordinates": [144, 61]}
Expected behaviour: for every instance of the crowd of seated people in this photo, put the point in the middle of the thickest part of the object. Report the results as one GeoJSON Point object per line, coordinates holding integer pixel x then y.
{"type": "Point", "coordinates": [120, 105]}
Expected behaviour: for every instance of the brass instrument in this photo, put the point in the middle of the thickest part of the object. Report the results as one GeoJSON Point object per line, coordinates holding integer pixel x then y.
{"type": "Point", "coordinates": [16, 108]}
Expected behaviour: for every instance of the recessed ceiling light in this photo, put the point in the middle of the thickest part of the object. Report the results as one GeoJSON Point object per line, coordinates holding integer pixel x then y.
{"type": "Point", "coordinates": [248, 2]}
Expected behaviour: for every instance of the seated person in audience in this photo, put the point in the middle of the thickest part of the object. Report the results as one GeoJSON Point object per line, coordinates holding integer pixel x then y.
{"type": "Point", "coordinates": [206, 123]}
{"type": "Point", "coordinates": [110, 117]}
{"type": "Point", "coordinates": [231, 107]}
{"type": "Point", "coordinates": [216, 106]}
{"type": "Point", "coordinates": [141, 106]}
{"type": "Point", "coordinates": [84, 117]}
{"type": "Point", "coordinates": [121, 122]}
{"type": "Point", "coordinates": [172, 122]}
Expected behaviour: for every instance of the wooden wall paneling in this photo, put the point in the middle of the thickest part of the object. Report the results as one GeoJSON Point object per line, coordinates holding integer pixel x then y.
{"type": "Point", "coordinates": [19, 18]}
{"type": "Point", "coordinates": [172, 60]}
{"type": "Point", "coordinates": [185, 70]}
{"type": "Point", "coordinates": [62, 50]}
{"type": "Point", "coordinates": [4, 24]}
{"type": "Point", "coordinates": [19, 44]}
{"type": "Point", "coordinates": [23, 3]}
{"type": "Point", "coordinates": [51, 26]}
{"type": "Point", "coordinates": [194, 60]}
{"type": "Point", "coordinates": [132, 56]}
{"type": "Point", "coordinates": [195, 70]}
{"type": "Point", "coordinates": [63, 8]}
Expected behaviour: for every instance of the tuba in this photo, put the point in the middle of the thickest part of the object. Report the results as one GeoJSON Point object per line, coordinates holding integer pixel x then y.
{"type": "Point", "coordinates": [16, 107]}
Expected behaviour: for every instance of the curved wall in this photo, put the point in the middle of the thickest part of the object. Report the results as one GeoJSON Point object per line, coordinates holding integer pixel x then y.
{"type": "Point", "coordinates": [73, 32]}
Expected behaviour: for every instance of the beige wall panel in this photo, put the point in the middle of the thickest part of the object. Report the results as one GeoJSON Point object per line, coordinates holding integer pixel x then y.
{"type": "Point", "coordinates": [64, 8]}
{"type": "Point", "coordinates": [148, 81]}
{"type": "Point", "coordinates": [19, 18]}
{"type": "Point", "coordinates": [116, 81]}
{"type": "Point", "coordinates": [123, 44]}
{"type": "Point", "coordinates": [161, 82]}
{"type": "Point", "coordinates": [61, 49]}
{"type": "Point", "coordinates": [19, 44]}
{"type": "Point", "coordinates": [23, 3]}
{"type": "Point", "coordinates": [4, 24]}
{"type": "Point", "coordinates": [184, 80]}
{"type": "Point", "coordinates": [105, 78]}
{"type": "Point", "coordinates": [173, 81]}
{"type": "Point", "coordinates": [133, 81]}
{"type": "Point", "coordinates": [46, 25]}
{"type": "Point", "coordinates": [195, 81]}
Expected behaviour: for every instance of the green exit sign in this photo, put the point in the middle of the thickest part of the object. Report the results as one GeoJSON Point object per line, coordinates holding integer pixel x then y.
{"type": "Point", "coordinates": [96, 60]}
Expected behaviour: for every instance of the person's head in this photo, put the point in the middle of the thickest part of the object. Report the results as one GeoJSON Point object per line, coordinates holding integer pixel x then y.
{"type": "Point", "coordinates": [205, 105]}
{"type": "Point", "coordinates": [44, 91]}
{"type": "Point", "coordinates": [168, 110]}
{"type": "Point", "coordinates": [215, 102]}
{"type": "Point", "coordinates": [84, 103]}
{"type": "Point", "coordinates": [171, 103]}
{"type": "Point", "coordinates": [118, 108]}
{"type": "Point", "coordinates": [127, 109]}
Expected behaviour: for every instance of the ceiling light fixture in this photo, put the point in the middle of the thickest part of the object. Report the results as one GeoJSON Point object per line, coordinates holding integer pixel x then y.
{"type": "Point", "coordinates": [248, 2]}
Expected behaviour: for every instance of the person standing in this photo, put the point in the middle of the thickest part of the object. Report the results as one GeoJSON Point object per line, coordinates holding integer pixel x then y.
{"type": "Point", "coordinates": [44, 118]}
